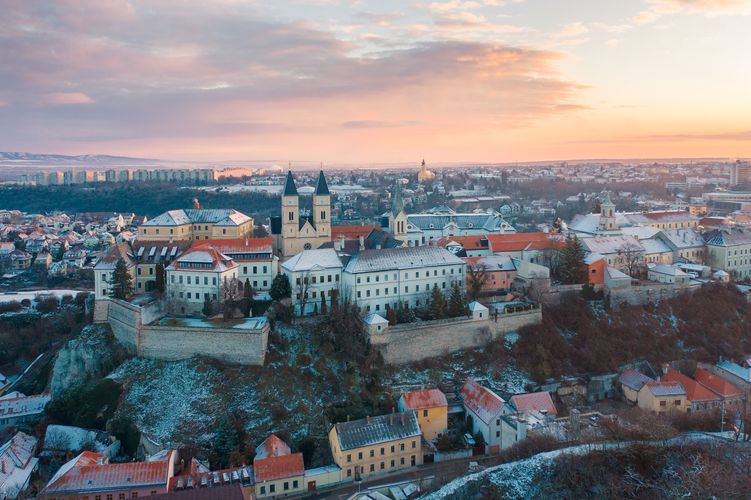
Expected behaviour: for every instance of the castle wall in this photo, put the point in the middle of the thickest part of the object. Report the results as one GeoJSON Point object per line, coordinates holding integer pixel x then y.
{"type": "Point", "coordinates": [406, 343]}
{"type": "Point", "coordinates": [131, 326]}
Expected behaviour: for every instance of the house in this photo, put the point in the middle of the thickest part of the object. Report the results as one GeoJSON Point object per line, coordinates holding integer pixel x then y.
{"type": "Point", "coordinates": [17, 464]}
{"type": "Point", "coordinates": [491, 417]}
{"type": "Point", "coordinates": [255, 259]}
{"type": "Point", "coordinates": [595, 268]}
{"type": "Point", "coordinates": [379, 279]}
{"type": "Point", "coordinates": [731, 396]}
{"type": "Point", "coordinates": [662, 397]}
{"type": "Point", "coordinates": [619, 251]}
{"type": "Point", "coordinates": [197, 224]}
{"type": "Point", "coordinates": [376, 445]}
{"type": "Point", "coordinates": [686, 244]}
{"type": "Point", "coordinates": [698, 397]}
{"type": "Point", "coordinates": [90, 475]}
{"type": "Point", "coordinates": [105, 267]}
{"type": "Point", "coordinates": [20, 260]}
{"type": "Point", "coordinates": [313, 274]}
{"type": "Point", "coordinates": [278, 471]}
{"type": "Point", "coordinates": [534, 405]}
{"type": "Point", "coordinates": [730, 250]}
{"type": "Point", "coordinates": [15, 408]}
{"type": "Point", "coordinates": [537, 248]}
{"type": "Point", "coordinates": [499, 269]}
{"type": "Point", "coordinates": [148, 255]}
{"type": "Point", "coordinates": [668, 274]}
{"type": "Point", "coordinates": [197, 276]}
{"type": "Point", "coordinates": [431, 408]}
{"type": "Point", "coordinates": [631, 383]}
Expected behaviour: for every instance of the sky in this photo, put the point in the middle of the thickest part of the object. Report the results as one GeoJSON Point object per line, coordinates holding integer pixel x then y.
{"type": "Point", "coordinates": [377, 81]}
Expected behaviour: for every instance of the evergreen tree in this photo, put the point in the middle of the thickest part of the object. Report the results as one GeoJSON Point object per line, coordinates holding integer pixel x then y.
{"type": "Point", "coordinates": [437, 304]}
{"type": "Point", "coordinates": [225, 441]}
{"type": "Point", "coordinates": [161, 279]}
{"type": "Point", "coordinates": [208, 307]}
{"type": "Point", "coordinates": [324, 307]}
{"type": "Point", "coordinates": [122, 282]}
{"type": "Point", "coordinates": [280, 288]}
{"type": "Point", "coordinates": [248, 294]}
{"type": "Point", "coordinates": [456, 302]}
{"type": "Point", "coordinates": [572, 268]}
{"type": "Point", "coordinates": [391, 315]}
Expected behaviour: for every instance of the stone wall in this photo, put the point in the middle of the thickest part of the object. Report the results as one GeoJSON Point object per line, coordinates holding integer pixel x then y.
{"type": "Point", "coordinates": [406, 343]}
{"type": "Point", "coordinates": [130, 325]}
{"type": "Point", "coordinates": [646, 293]}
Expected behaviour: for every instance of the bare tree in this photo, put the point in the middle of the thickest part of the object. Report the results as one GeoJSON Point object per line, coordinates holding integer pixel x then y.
{"type": "Point", "coordinates": [477, 277]}
{"type": "Point", "coordinates": [231, 295]}
{"type": "Point", "coordinates": [631, 256]}
{"type": "Point", "coordinates": [303, 289]}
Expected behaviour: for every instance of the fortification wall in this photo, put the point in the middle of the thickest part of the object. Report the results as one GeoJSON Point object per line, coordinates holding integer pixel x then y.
{"type": "Point", "coordinates": [646, 293]}
{"type": "Point", "coordinates": [229, 345]}
{"type": "Point", "coordinates": [130, 325]}
{"type": "Point", "coordinates": [428, 339]}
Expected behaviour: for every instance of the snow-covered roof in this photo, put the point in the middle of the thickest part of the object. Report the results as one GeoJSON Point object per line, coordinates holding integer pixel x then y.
{"type": "Point", "coordinates": [272, 446]}
{"type": "Point", "coordinates": [666, 270]}
{"type": "Point", "coordinates": [401, 258]}
{"type": "Point", "coordinates": [654, 246]}
{"type": "Point", "coordinates": [615, 274]}
{"type": "Point", "coordinates": [640, 232]}
{"type": "Point", "coordinates": [20, 406]}
{"type": "Point", "coordinates": [381, 429]}
{"type": "Point", "coordinates": [311, 260]}
{"type": "Point", "coordinates": [69, 438]}
{"type": "Point", "coordinates": [18, 463]}
{"type": "Point", "coordinates": [476, 306]}
{"type": "Point", "coordinates": [683, 238]}
{"type": "Point", "coordinates": [375, 319]}
{"type": "Point", "coordinates": [483, 402]}
{"type": "Point", "coordinates": [217, 216]}
{"type": "Point", "coordinates": [611, 244]}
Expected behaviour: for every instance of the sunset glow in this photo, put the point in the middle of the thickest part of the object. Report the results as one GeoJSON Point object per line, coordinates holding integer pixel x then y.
{"type": "Point", "coordinates": [377, 81]}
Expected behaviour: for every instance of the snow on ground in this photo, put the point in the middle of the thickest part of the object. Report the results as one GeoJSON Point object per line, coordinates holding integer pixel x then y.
{"type": "Point", "coordinates": [170, 400]}
{"type": "Point", "coordinates": [19, 296]}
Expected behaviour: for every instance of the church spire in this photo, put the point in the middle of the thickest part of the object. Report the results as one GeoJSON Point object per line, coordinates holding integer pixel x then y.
{"type": "Point", "coordinates": [322, 189]}
{"type": "Point", "coordinates": [289, 187]}
{"type": "Point", "coordinates": [398, 204]}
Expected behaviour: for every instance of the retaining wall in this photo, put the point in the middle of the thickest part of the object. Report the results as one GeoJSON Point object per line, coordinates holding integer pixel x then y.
{"type": "Point", "coordinates": [428, 339]}
{"type": "Point", "coordinates": [130, 325]}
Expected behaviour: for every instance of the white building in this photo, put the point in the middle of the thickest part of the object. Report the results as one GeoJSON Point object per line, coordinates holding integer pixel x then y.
{"type": "Point", "coordinates": [312, 274]}
{"type": "Point", "coordinates": [198, 275]}
{"type": "Point", "coordinates": [387, 277]}
{"type": "Point", "coordinates": [254, 257]}
{"type": "Point", "coordinates": [730, 250]}
{"type": "Point", "coordinates": [492, 417]}
{"type": "Point", "coordinates": [668, 274]}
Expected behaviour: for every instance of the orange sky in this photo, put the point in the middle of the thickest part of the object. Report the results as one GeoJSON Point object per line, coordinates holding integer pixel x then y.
{"type": "Point", "coordinates": [365, 82]}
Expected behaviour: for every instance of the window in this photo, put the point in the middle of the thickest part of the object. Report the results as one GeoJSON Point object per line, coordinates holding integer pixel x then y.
{"type": "Point", "coordinates": [401, 446]}
{"type": "Point", "coordinates": [349, 474]}
{"type": "Point", "coordinates": [392, 448]}
{"type": "Point", "coordinates": [372, 453]}
{"type": "Point", "coordinates": [383, 465]}
{"type": "Point", "coordinates": [425, 413]}
{"type": "Point", "coordinates": [414, 444]}
{"type": "Point", "coordinates": [383, 451]}
{"type": "Point", "coordinates": [677, 402]}
{"type": "Point", "coordinates": [294, 484]}
{"type": "Point", "coordinates": [372, 467]}
{"type": "Point", "coordinates": [286, 485]}
{"type": "Point", "coordinates": [349, 458]}
{"type": "Point", "coordinates": [272, 488]}
{"type": "Point", "coordinates": [663, 403]}
{"type": "Point", "coordinates": [263, 489]}
{"type": "Point", "coordinates": [497, 434]}
{"type": "Point", "coordinates": [359, 455]}
{"type": "Point", "coordinates": [401, 461]}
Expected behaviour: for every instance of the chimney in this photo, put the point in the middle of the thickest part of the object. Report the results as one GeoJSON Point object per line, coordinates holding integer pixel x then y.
{"type": "Point", "coordinates": [2, 467]}
{"type": "Point", "coordinates": [664, 367]}
{"type": "Point", "coordinates": [196, 205]}
{"type": "Point", "coordinates": [362, 242]}
{"type": "Point", "coordinates": [403, 421]}
{"type": "Point", "coordinates": [367, 419]}
{"type": "Point", "coordinates": [347, 418]}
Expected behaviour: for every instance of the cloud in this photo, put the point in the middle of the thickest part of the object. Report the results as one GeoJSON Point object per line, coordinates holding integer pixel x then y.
{"type": "Point", "coordinates": [709, 8]}
{"type": "Point", "coordinates": [734, 136]}
{"type": "Point", "coordinates": [377, 124]}
{"type": "Point", "coordinates": [63, 98]}
{"type": "Point", "coordinates": [228, 75]}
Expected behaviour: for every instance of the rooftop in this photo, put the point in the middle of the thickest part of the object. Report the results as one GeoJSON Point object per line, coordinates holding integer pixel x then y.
{"type": "Point", "coordinates": [278, 467]}
{"type": "Point", "coordinates": [428, 398]}
{"type": "Point", "coordinates": [482, 401]}
{"type": "Point", "coordinates": [401, 258]}
{"type": "Point", "coordinates": [381, 429]}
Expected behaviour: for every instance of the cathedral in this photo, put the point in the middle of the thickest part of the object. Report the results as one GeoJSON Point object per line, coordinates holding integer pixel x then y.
{"type": "Point", "coordinates": [294, 231]}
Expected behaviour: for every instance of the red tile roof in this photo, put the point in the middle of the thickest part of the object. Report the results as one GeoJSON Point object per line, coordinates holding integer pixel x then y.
{"type": "Point", "coordinates": [694, 390]}
{"type": "Point", "coordinates": [86, 475]}
{"type": "Point", "coordinates": [483, 402]}
{"type": "Point", "coordinates": [516, 242]}
{"type": "Point", "coordinates": [535, 401]}
{"type": "Point", "coordinates": [467, 242]}
{"type": "Point", "coordinates": [668, 214]}
{"type": "Point", "coordinates": [716, 384]}
{"type": "Point", "coordinates": [352, 232]}
{"type": "Point", "coordinates": [269, 469]}
{"type": "Point", "coordinates": [272, 446]}
{"type": "Point", "coordinates": [428, 398]}
{"type": "Point", "coordinates": [238, 245]}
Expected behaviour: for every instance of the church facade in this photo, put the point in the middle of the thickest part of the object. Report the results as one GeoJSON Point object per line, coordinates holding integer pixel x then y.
{"type": "Point", "coordinates": [294, 230]}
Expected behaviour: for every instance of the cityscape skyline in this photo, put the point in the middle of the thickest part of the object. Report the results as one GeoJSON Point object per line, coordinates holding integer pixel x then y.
{"type": "Point", "coordinates": [456, 81]}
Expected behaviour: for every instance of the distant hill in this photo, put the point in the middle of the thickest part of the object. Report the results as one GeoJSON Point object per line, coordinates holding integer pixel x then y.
{"type": "Point", "coordinates": [35, 158]}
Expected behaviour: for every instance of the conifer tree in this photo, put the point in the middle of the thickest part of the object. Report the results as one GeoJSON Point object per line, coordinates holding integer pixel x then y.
{"type": "Point", "coordinates": [122, 282]}
{"type": "Point", "coordinates": [456, 302]}
{"type": "Point", "coordinates": [280, 288]}
{"type": "Point", "coordinates": [437, 304]}
{"type": "Point", "coordinates": [572, 268]}
{"type": "Point", "coordinates": [161, 279]}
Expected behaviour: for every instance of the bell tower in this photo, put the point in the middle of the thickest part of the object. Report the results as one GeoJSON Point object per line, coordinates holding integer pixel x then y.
{"type": "Point", "coordinates": [322, 209]}
{"type": "Point", "coordinates": [290, 213]}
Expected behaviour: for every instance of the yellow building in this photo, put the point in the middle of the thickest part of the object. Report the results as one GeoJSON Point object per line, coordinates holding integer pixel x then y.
{"type": "Point", "coordinates": [431, 408]}
{"type": "Point", "coordinates": [662, 397]}
{"type": "Point", "coordinates": [197, 224]}
{"type": "Point", "coordinates": [376, 445]}
{"type": "Point", "coordinates": [424, 175]}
